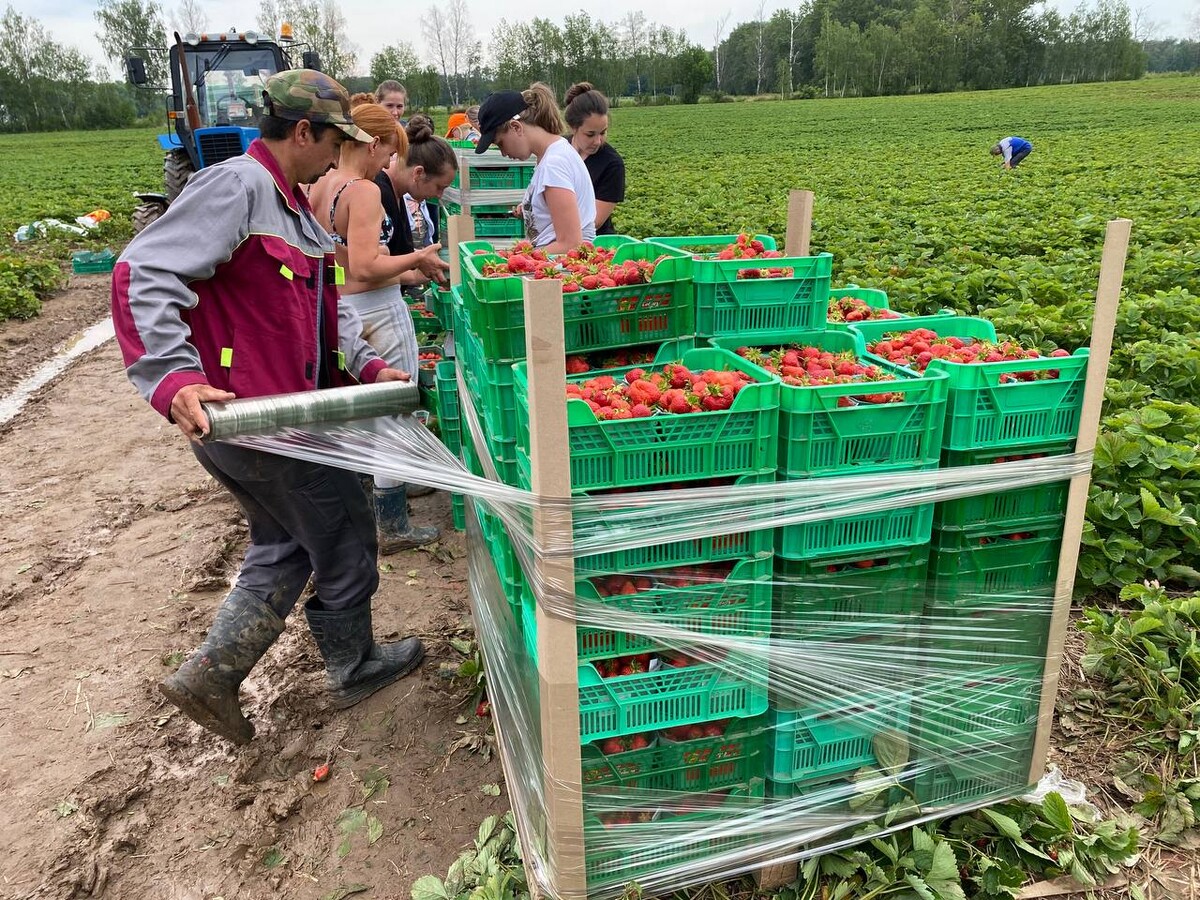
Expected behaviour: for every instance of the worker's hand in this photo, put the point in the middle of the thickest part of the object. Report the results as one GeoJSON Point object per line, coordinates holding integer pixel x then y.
{"type": "Point", "coordinates": [392, 375]}
{"type": "Point", "coordinates": [431, 265]}
{"type": "Point", "coordinates": [1008, 165]}
{"type": "Point", "coordinates": [518, 211]}
{"type": "Point", "coordinates": [186, 411]}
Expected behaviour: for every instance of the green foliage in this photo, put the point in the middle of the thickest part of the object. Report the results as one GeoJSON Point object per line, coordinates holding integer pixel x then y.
{"type": "Point", "coordinates": [989, 853]}
{"type": "Point", "coordinates": [23, 284]}
{"type": "Point", "coordinates": [1150, 655]}
{"type": "Point", "coordinates": [490, 870]}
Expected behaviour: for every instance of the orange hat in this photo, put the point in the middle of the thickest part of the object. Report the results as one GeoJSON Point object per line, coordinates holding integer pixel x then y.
{"type": "Point", "coordinates": [456, 120]}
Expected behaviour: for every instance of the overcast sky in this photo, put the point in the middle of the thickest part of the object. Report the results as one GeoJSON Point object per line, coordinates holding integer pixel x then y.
{"type": "Point", "coordinates": [72, 21]}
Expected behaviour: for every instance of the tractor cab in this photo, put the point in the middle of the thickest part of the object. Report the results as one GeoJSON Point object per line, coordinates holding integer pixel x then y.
{"type": "Point", "coordinates": [214, 102]}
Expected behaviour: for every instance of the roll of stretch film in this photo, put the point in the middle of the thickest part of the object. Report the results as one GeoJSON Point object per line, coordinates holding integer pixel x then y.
{"type": "Point", "coordinates": [264, 415]}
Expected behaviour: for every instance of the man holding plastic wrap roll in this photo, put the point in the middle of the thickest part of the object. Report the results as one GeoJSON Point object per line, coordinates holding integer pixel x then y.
{"type": "Point", "coordinates": [232, 293]}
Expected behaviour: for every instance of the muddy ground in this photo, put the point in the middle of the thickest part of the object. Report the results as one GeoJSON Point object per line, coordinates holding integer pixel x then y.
{"type": "Point", "coordinates": [115, 549]}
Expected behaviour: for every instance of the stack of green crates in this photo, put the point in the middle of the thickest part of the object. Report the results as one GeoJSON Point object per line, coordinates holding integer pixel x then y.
{"type": "Point", "coordinates": [985, 622]}
{"type": "Point", "coordinates": [449, 425]}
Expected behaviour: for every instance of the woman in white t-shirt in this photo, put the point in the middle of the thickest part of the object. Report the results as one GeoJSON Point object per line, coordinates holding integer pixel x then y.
{"type": "Point", "coordinates": [560, 205]}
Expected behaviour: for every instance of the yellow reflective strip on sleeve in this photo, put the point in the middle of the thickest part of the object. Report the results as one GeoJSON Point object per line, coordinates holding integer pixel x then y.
{"type": "Point", "coordinates": [339, 275]}
{"type": "Point", "coordinates": [226, 357]}
{"type": "Point", "coordinates": [341, 361]}
{"type": "Point", "coordinates": [286, 272]}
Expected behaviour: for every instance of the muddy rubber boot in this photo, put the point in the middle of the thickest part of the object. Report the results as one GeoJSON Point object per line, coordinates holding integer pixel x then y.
{"type": "Point", "coordinates": [394, 530]}
{"type": "Point", "coordinates": [356, 666]}
{"type": "Point", "coordinates": [419, 490]}
{"type": "Point", "coordinates": [205, 687]}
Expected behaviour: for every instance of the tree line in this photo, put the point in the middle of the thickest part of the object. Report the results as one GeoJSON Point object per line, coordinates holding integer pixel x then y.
{"type": "Point", "coordinates": [817, 48]}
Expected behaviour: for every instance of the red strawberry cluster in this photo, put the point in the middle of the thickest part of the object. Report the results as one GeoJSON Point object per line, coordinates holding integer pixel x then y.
{"type": "Point", "coordinates": [429, 359]}
{"type": "Point", "coordinates": [678, 577]}
{"type": "Point", "coordinates": [1014, 536]}
{"type": "Point", "coordinates": [852, 309]}
{"type": "Point", "coordinates": [917, 348]}
{"type": "Point", "coordinates": [695, 732]}
{"type": "Point", "coordinates": [676, 390]}
{"type": "Point", "coordinates": [421, 311]}
{"type": "Point", "coordinates": [626, 743]}
{"type": "Point", "coordinates": [747, 246]}
{"type": "Point", "coordinates": [579, 363]}
{"type": "Point", "coordinates": [801, 366]}
{"type": "Point", "coordinates": [857, 564]}
{"type": "Point", "coordinates": [586, 268]}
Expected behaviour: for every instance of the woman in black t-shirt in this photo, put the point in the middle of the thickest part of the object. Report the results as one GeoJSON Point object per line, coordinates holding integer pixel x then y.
{"type": "Point", "coordinates": [587, 116]}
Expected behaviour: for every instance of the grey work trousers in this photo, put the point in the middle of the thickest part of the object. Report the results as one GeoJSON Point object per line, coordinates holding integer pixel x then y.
{"type": "Point", "coordinates": [305, 519]}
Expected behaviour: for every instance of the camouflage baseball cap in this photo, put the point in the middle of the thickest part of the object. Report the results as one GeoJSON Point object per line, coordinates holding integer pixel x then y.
{"type": "Point", "coordinates": [308, 94]}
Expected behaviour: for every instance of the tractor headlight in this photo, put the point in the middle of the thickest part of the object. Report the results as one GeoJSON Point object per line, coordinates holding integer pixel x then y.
{"type": "Point", "coordinates": [250, 37]}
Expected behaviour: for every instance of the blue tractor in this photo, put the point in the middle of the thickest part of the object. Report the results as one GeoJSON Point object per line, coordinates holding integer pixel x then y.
{"type": "Point", "coordinates": [214, 103]}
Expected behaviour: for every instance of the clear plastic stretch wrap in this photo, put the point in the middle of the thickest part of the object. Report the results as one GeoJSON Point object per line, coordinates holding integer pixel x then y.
{"type": "Point", "coordinates": [739, 706]}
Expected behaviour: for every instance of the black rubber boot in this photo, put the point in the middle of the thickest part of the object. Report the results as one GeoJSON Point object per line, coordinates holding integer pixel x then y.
{"type": "Point", "coordinates": [205, 687]}
{"type": "Point", "coordinates": [395, 532]}
{"type": "Point", "coordinates": [356, 666]}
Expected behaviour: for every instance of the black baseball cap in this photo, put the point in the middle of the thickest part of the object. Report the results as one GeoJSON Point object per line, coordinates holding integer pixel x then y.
{"type": "Point", "coordinates": [496, 111]}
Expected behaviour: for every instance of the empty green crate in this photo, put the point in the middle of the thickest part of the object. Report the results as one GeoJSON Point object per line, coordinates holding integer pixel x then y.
{"type": "Point", "coordinates": [513, 176]}
{"type": "Point", "coordinates": [850, 595]}
{"type": "Point", "coordinates": [819, 436]}
{"type": "Point", "coordinates": [992, 774]}
{"type": "Point", "coordinates": [441, 302]}
{"type": "Point", "coordinates": [703, 764]}
{"type": "Point", "coordinates": [618, 853]}
{"type": "Point", "coordinates": [974, 709]}
{"type": "Point", "coordinates": [966, 562]}
{"type": "Point", "coordinates": [832, 737]}
{"type": "Point", "coordinates": [1008, 509]}
{"type": "Point", "coordinates": [492, 220]}
{"type": "Point", "coordinates": [668, 448]}
{"type": "Point", "coordinates": [449, 420]}
{"type": "Point", "coordinates": [92, 262]}
{"type": "Point", "coordinates": [986, 631]}
{"type": "Point", "coordinates": [592, 320]}
{"type": "Point", "coordinates": [982, 412]}
{"type": "Point", "coordinates": [740, 606]}
{"type": "Point", "coordinates": [868, 532]}
{"type": "Point", "coordinates": [726, 304]}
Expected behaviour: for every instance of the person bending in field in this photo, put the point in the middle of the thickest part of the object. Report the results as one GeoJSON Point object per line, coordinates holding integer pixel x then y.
{"type": "Point", "coordinates": [1013, 149]}
{"type": "Point", "coordinates": [559, 208]}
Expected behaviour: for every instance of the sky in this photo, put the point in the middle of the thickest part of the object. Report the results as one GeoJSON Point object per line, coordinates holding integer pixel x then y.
{"type": "Point", "coordinates": [73, 22]}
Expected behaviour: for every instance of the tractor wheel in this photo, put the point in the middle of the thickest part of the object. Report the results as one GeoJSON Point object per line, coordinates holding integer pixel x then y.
{"type": "Point", "coordinates": [145, 213]}
{"type": "Point", "coordinates": [177, 169]}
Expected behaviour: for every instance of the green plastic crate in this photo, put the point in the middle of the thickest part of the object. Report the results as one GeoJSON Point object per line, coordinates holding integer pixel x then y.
{"type": "Point", "coordinates": [873, 297]}
{"type": "Point", "coordinates": [982, 413]}
{"type": "Point", "coordinates": [983, 776]}
{"type": "Point", "coordinates": [492, 220]}
{"type": "Point", "coordinates": [868, 533]}
{"type": "Point", "coordinates": [504, 177]}
{"type": "Point", "coordinates": [504, 555]}
{"type": "Point", "coordinates": [426, 369]}
{"type": "Point", "coordinates": [973, 631]}
{"type": "Point", "coordinates": [458, 509]}
{"type": "Point", "coordinates": [817, 436]}
{"type": "Point", "coordinates": [424, 319]}
{"type": "Point", "coordinates": [616, 854]}
{"type": "Point", "coordinates": [446, 396]}
{"type": "Point", "coordinates": [593, 320]}
{"type": "Point", "coordinates": [832, 737]}
{"type": "Point", "coordinates": [961, 565]}
{"type": "Point", "coordinates": [850, 595]}
{"type": "Point", "coordinates": [491, 384]}
{"type": "Point", "coordinates": [666, 448]}
{"type": "Point", "coordinates": [726, 304]}
{"type": "Point", "coordinates": [701, 765]}
{"type": "Point", "coordinates": [93, 262]}
{"type": "Point", "coordinates": [967, 709]}
{"type": "Point", "coordinates": [1008, 510]}
{"type": "Point", "coordinates": [739, 606]}
{"type": "Point", "coordinates": [441, 302]}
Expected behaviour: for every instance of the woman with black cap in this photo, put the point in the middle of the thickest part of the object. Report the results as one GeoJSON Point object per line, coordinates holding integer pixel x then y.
{"type": "Point", "coordinates": [560, 205]}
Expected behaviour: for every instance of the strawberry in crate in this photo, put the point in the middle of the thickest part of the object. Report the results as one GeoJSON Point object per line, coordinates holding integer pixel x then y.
{"type": "Point", "coordinates": [802, 366]}
{"type": "Point", "coordinates": [916, 349]}
{"type": "Point", "coordinates": [676, 390]}
{"type": "Point", "coordinates": [853, 309]}
{"type": "Point", "coordinates": [585, 268]}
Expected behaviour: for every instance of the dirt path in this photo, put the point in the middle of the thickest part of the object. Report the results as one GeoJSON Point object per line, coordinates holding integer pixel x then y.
{"type": "Point", "coordinates": [115, 548]}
